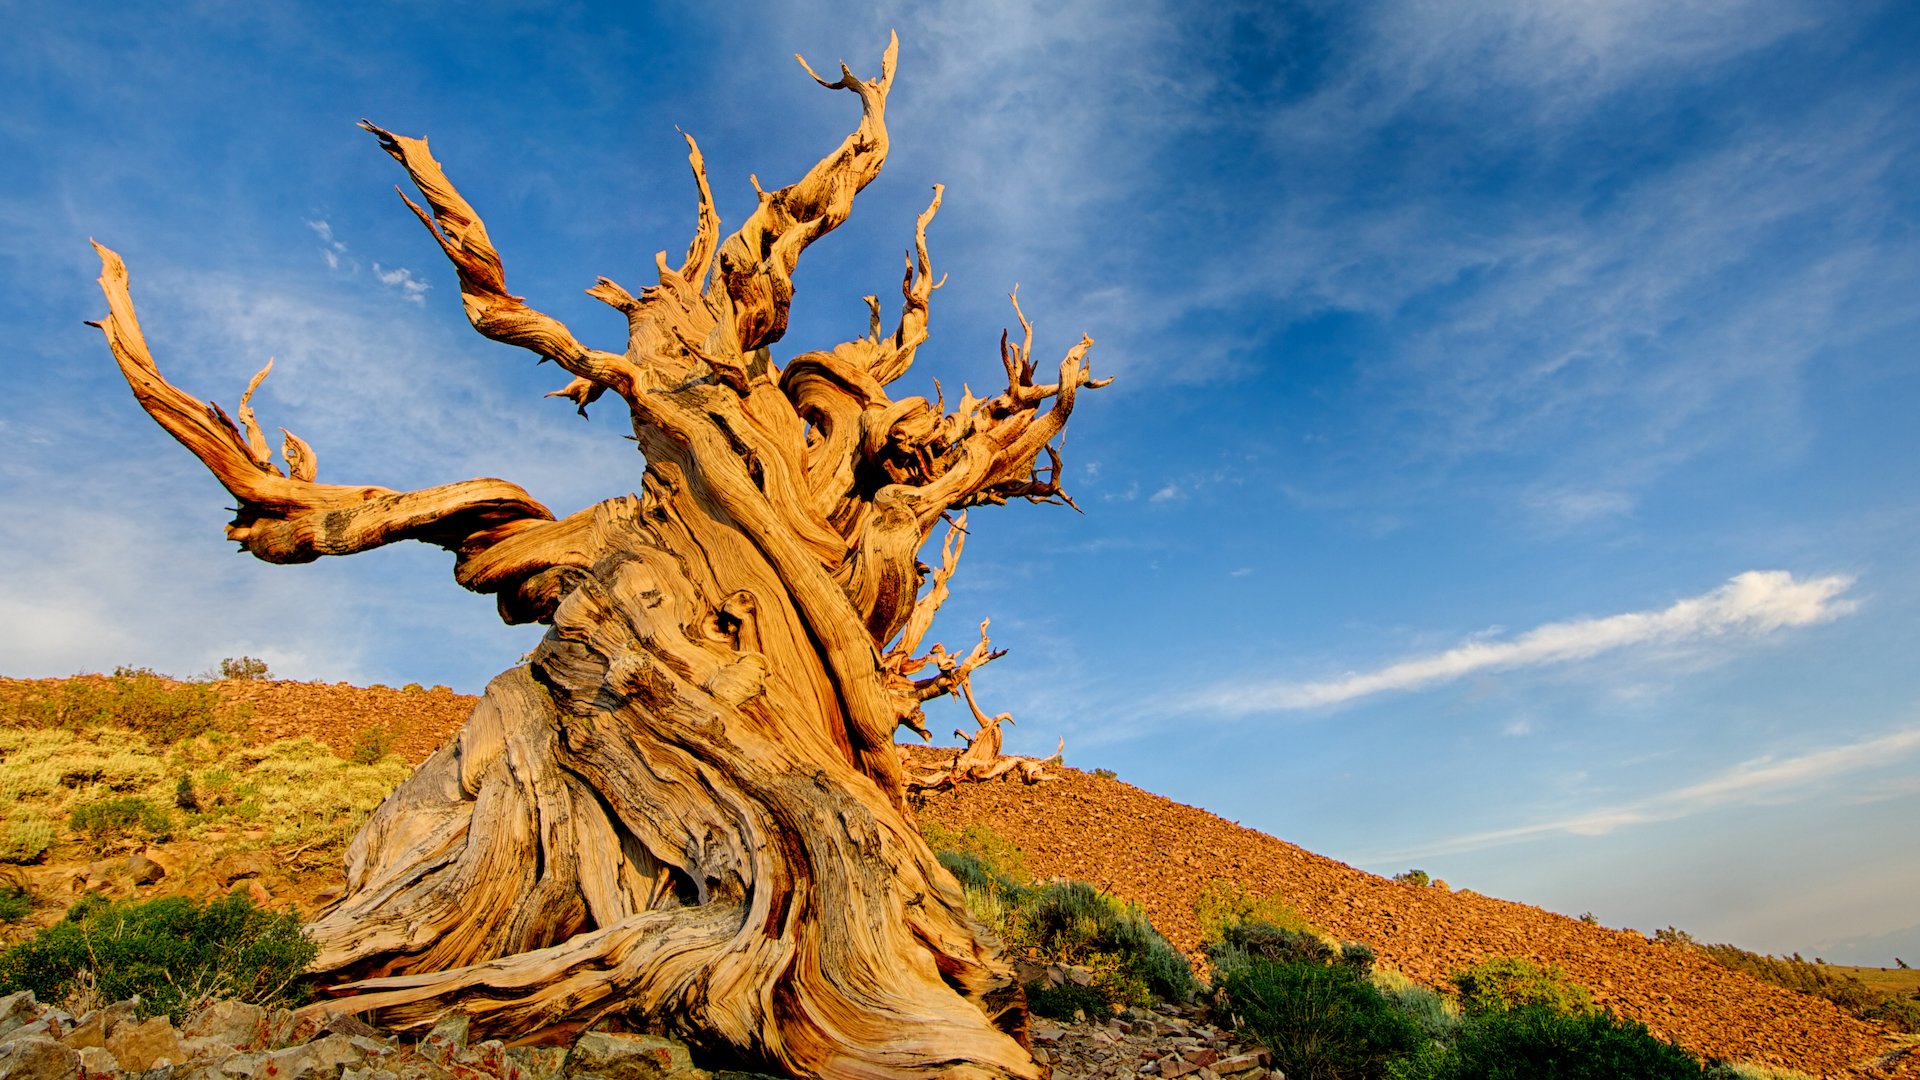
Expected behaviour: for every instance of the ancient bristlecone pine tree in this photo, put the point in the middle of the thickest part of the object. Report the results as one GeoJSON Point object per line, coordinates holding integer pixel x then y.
{"type": "Point", "coordinates": [688, 807]}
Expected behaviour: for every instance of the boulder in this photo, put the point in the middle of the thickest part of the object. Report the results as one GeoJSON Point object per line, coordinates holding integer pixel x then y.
{"type": "Point", "coordinates": [322, 1059]}
{"type": "Point", "coordinates": [145, 1044]}
{"type": "Point", "coordinates": [38, 1059]}
{"type": "Point", "coordinates": [629, 1057]}
{"type": "Point", "coordinates": [235, 1023]}
{"type": "Point", "coordinates": [18, 1010]}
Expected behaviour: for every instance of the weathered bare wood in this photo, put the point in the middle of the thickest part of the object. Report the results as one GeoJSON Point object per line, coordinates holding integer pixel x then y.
{"type": "Point", "coordinates": [688, 807]}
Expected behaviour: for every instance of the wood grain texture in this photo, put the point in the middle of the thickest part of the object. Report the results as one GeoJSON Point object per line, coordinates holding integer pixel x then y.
{"type": "Point", "coordinates": [688, 806]}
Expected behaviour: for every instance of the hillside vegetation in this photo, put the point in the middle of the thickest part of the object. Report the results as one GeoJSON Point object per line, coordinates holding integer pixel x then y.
{"type": "Point", "coordinates": [243, 781]}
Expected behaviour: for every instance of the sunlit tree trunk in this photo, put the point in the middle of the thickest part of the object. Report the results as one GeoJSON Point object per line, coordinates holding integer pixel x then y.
{"type": "Point", "coordinates": [688, 807]}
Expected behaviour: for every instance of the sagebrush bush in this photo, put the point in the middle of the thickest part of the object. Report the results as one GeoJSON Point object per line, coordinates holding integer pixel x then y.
{"type": "Point", "coordinates": [1222, 903]}
{"type": "Point", "coordinates": [1063, 1002]}
{"type": "Point", "coordinates": [1506, 983]}
{"type": "Point", "coordinates": [16, 902]}
{"type": "Point", "coordinates": [128, 817]}
{"type": "Point", "coordinates": [171, 953]}
{"type": "Point", "coordinates": [1319, 1020]}
{"type": "Point", "coordinates": [1534, 1042]}
{"type": "Point", "coordinates": [244, 667]}
{"type": "Point", "coordinates": [1242, 943]}
{"type": "Point", "coordinates": [371, 746]}
{"type": "Point", "coordinates": [996, 854]}
{"type": "Point", "coordinates": [1071, 921]}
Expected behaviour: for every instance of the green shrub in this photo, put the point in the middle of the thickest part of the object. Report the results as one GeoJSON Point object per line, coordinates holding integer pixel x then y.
{"type": "Point", "coordinates": [25, 840]}
{"type": "Point", "coordinates": [1437, 1016]}
{"type": "Point", "coordinates": [995, 853]}
{"type": "Point", "coordinates": [1072, 922]}
{"type": "Point", "coordinates": [1320, 1021]}
{"type": "Point", "coordinates": [1222, 903]}
{"type": "Point", "coordinates": [1244, 943]}
{"type": "Point", "coordinates": [1898, 1013]}
{"type": "Point", "coordinates": [244, 667]}
{"type": "Point", "coordinates": [1062, 1002]}
{"type": "Point", "coordinates": [184, 796]}
{"type": "Point", "coordinates": [371, 746]}
{"type": "Point", "coordinates": [1412, 877]}
{"type": "Point", "coordinates": [1105, 774]}
{"type": "Point", "coordinates": [1505, 983]}
{"type": "Point", "coordinates": [128, 817]}
{"type": "Point", "coordinates": [1533, 1042]}
{"type": "Point", "coordinates": [170, 952]}
{"type": "Point", "coordinates": [16, 902]}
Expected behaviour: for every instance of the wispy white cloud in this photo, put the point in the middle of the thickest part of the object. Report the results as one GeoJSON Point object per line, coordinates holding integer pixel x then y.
{"type": "Point", "coordinates": [1756, 780]}
{"type": "Point", "coordinates": [411, 288]}
{"type": "Point", "coordinates": [334, 252]}
{"type": "Point", "coordinates": [1754, 603]}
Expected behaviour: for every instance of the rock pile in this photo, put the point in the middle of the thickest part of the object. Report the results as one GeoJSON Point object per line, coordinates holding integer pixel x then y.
{"type": "Point", "coordinates": [1168, 1042]}
{"type": "Point", "coordinates": [228, 1040]}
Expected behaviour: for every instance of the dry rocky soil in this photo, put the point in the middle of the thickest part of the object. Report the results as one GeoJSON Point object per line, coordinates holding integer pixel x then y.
{"type": "Point", "coordinates": [1140, 847]}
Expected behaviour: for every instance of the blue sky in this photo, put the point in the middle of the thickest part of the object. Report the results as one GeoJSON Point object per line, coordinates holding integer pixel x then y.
{"type": "Point", "coordinates": [1511, 470]}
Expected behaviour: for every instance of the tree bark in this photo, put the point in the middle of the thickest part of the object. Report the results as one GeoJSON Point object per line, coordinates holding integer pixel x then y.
{"type": "Point", "coordinates": [688, 807]}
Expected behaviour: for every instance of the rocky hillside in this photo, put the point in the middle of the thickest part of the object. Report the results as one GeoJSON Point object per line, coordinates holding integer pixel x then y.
{"type": "Point", "coordinates": [1162, 854]}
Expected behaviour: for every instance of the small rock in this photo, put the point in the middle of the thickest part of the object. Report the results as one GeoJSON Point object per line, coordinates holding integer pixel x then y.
{"type": "Point", "coordinates": [240, 1065]}
{"type": "Point", "coordinates": [97, 1061]}
{"type": "Point", "coordinates": [534, 1062]}
{"type": "Point", "coordinates": [340, 1023]}
{"type": "Point", "coordinates": [46, 1027]}
{"type": "Point", "coordinates": [240, 864]}
{"type": "Point", "coordinates": [1173, 1066]}
{"type": "Point", "coordinates": [627, 1057]}
{"type": "Point", "coordinates": [1238, 1063]}
{"type": "Point", "coordinates": [18, 1010]}
{"type": "Point", "coordinates": [1046, 1033]}
{"type": "Point", "coordinates": [1202, 1056]}
{"type": "Point", "coordinates": [322, 1059]}
{"type": "Point", "coordinates": [235, 1023]}
{"type": "Point", "coordinates": [447, 1038]}
{"type": "Point", "coordinates": [146, 1044]}
{"type": "Point", "coordinates": [258, 893]}
{"type": "Point", "coordinates": [38, 1059]}
{"type": "Point", "coordinates": [143, 870]}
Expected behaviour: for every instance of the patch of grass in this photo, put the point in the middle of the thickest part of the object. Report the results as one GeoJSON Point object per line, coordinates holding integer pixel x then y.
{"type": "Point", "coordinates": [996, 854]}
{"type": "Point", "coordinates": [1533, 1041]}
{"type": "Point", "coordinates": [128, 817]}
{"type": "Point", "coordinates": [297, 791]}
{"type": "Point", "coordinates": [1508, 983]}
{"type": "Point", "coordinates": [25, 840]}
{"type": "Point", "coordinates": [170, 952]}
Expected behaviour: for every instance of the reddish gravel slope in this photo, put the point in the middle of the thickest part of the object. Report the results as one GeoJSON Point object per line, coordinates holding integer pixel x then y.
{"type": "Point", "coordinates": [1161, 853]}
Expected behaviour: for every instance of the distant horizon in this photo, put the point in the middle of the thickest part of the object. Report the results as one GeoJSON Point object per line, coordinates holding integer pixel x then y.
{"type": "Point", "coordinates": [1509, 471]}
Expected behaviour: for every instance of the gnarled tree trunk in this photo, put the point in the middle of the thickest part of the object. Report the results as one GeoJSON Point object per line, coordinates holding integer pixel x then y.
{"type": "Point", "coordinates": [688, 806]}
